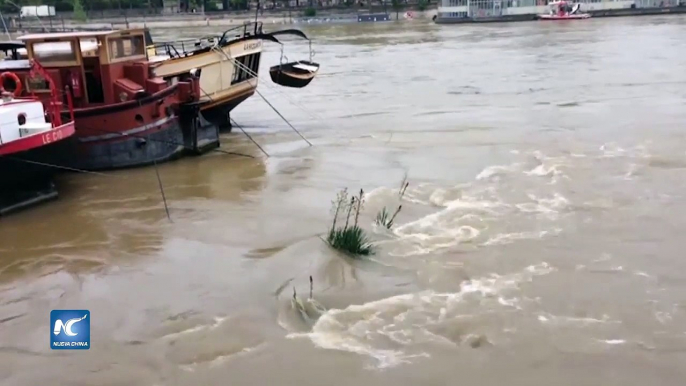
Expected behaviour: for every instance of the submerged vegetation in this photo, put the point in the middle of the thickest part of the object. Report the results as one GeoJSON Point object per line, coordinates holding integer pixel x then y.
{"type": "Point", "coordinates": [384, 218]}
{"type": "Point", "coordinates": [309, 309]}
{"type": "Point", "coordinates": [349, 237]}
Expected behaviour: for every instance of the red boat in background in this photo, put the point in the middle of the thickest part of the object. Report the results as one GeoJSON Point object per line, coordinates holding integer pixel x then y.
{"type": "Point", "coordinates": [562, 10]}
{"type": "Point", "coordinates": [31, 132]}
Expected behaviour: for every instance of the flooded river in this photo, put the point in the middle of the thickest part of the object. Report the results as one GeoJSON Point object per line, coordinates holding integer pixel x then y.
{"type": "Point", "coordinates": [540, 240]}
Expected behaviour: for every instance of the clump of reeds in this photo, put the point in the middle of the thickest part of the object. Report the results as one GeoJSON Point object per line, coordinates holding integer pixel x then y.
{"type": "Point", "coordinates": [350, 237]}
{"type": "Point", "coordinates": [309, 309]}
{"type": "Point", "coordinates": [384, 218]}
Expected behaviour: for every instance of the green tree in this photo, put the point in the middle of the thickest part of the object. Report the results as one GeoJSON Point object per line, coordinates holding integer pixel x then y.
{"type": "Point", "coordinates": [396, 7]}
{"type": "Point", "coordinates": [79, 13]}
{"type": "Point", "coordinates": [239, 4]}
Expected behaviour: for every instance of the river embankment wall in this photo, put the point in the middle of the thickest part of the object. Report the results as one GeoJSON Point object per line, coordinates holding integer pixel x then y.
{"type": "Point", "coordinates": [192, 20]}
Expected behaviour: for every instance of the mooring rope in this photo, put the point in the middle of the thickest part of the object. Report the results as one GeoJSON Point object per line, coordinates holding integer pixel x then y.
{"type": "Point", "coordinates": [159, 180]}
{"type": "Point", "coordinates": [282, 117]}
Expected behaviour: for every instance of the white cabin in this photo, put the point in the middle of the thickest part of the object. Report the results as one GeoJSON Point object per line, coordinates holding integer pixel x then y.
{"type": "Point", "coordinates": [20, 118]}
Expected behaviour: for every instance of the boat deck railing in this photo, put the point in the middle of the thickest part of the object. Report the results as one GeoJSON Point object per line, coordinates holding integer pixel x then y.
{"type": "Point", "coordinates": [185, 47]}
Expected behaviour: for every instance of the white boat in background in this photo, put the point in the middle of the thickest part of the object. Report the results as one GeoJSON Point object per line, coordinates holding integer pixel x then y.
{"type": "Point", "coordinates": [562, 10]}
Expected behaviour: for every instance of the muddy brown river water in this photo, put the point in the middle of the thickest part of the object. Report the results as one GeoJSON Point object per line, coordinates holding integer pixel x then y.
{"type": "Point", "coordinates": [541, 240]}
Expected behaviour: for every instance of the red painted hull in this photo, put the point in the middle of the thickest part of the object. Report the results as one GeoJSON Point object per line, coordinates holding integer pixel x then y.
{"type": "Point", "coordinates": [27, 167]}
{"type": "Point", "coordinates": [135, 133]}
{"type": "Point", "coordinates": [25, 144]}
{"type": "Point", "coordinates": [569, 17]}
{"type": "Point", "coordinates": [159, 123]}
{"type": "Point", "coordinates": [124, 135]}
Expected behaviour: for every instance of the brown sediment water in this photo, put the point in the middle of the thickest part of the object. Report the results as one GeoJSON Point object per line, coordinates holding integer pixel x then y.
{"type": "Point", "coordinates": [540, 241]}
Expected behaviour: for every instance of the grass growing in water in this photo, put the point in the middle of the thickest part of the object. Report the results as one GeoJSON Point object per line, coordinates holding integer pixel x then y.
{"type": "Point", "coordinates": [384, 218]}
{"type": "Point", "coordinates": [350, 237]}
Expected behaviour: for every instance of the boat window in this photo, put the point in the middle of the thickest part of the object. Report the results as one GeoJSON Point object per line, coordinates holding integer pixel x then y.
{"type": "Point", "coordinates": [52, 52]}
{"type": "Point", "coordinates": [126, 47]}
{"type": "Point", "coordinates": [246, 67]}
{"type": "Point", "coordinates": [89, 47]}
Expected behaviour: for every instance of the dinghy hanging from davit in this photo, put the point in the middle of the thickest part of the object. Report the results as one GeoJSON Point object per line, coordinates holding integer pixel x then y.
{"type": "Point", "coordinates": [296, 74]}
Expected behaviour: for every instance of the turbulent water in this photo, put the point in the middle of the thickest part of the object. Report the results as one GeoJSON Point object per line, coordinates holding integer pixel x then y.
{"type": "Point", "coordinates": [540, 240]}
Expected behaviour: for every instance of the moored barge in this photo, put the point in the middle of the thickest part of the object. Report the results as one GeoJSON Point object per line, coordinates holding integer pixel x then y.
{"type": "Point", "coordinates": [227, 65]}
{"type": "Point", "coordinates": [31, 134]}
{"type": "Point", "coordinates": [125, 115]}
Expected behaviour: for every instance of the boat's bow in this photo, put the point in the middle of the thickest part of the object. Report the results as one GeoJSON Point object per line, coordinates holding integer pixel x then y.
{"type": "Point", "coordinates": [34, 136]}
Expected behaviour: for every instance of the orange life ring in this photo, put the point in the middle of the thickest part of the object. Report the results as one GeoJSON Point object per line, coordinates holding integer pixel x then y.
{"type": "Point", "coordinates": [15, 78]}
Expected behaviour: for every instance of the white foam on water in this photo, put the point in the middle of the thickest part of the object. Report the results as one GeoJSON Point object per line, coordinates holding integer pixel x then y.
{"type": "Point", "coordinates": [466, 212]}
{"type": "Point", "coordinates": [392, 330]}
{"type": "Point", "coordinates": [461, 220]}
{"type": "Point", "coordinates": [550, 207]}
{"type": "Point", "coordinates": [217, 361]}
{"type": "Point", "coordinates": [553, 171]}
{"type": "Point", "coordinates": [381, 197]}
{"type": "Point", "coordinates": [613, 150]}
{"type": "Point", "coordinates": [548, 318]}
{"type": "Point", "coordinates": [631, 171]}
{"type": "Point", "coordinates": [613, 341]}
{"type": "Point", "coordinates": [217, 322]}
{"type": "Point", "coordinates": [663, 317]}
{"type": "Point", "coordinates": [439, 230]}
{"type": "Point", "coordinates": [494, 171]}
{"type": "Point", "coordinates": [508, 238]}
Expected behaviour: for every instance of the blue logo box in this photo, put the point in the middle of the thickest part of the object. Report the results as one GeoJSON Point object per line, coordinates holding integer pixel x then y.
{"type": "Point", "coordinates": [70, 329]}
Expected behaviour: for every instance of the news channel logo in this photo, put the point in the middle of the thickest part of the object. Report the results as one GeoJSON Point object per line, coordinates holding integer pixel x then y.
{"type": "Point", "coordinates": [70, 329]}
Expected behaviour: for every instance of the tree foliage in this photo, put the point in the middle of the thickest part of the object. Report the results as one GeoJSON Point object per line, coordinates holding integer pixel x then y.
{"type": "Point", "coordinates": [79, 13]}
{"type": "Point", "coordinates": [397, 7]}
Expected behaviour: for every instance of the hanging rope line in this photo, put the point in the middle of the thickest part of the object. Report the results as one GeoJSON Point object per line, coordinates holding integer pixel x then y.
{"type": "Point", "coordinates": [282, 117]}
{"type": "Point", "coordinates": [164, 198]}
{"type": "Point", "coordinates": [159, 180]}
{"type": "Point", "coordinates": [56, 166]}
{"type": "Point", "coordinates": [249, 137]}
{"type": "Point", "coordinates": [232, 122]}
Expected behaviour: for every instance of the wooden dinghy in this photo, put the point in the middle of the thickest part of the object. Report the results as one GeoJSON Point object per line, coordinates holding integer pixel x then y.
{"type": "Point", "coordinates": [294, 74]}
